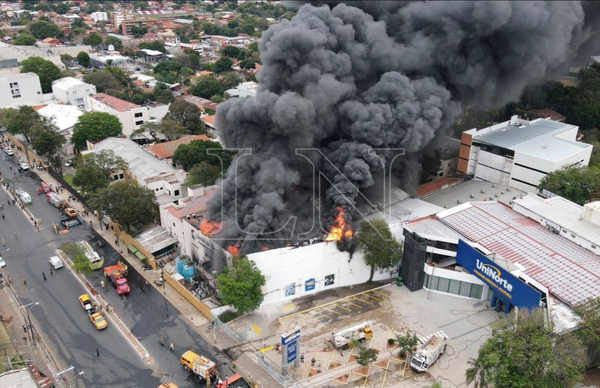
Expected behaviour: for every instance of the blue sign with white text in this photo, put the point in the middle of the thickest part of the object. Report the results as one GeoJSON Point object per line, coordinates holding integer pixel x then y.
{"type": "Point", "coordinates": [309, 285]}
{"type": "Point", "coordinates": [507, 286]}
{"type": "Point", "coordinates": [289, 341]}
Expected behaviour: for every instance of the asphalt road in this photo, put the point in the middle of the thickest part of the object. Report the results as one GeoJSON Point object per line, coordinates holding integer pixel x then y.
{"type": "Point", "coordinates": [63, 323]}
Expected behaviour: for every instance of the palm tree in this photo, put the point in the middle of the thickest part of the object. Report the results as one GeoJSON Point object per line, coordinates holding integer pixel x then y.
{"type": "Point", "coordinates": [477, 373]}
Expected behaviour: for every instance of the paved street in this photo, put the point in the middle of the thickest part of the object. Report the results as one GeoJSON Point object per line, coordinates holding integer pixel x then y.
{"type": "Point", "coordinates": [63, 323]}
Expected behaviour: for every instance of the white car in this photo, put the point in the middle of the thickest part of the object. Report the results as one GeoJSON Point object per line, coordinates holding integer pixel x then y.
{"type": "Point", "coordinates": [55, 262]}
{"type": "Point", "coordinates": [2, 263]}
{"type": "Point", "coordinates": [24, 166]}
{"type": "Point", "coordinates": [68, 163]}
{"type": "Point", "coordinates": [8, 151]}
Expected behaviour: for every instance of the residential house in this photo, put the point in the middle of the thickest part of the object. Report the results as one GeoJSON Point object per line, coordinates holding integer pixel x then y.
{"type": "Point", "coordinates": [72, 91]}
{"type": "Point", "coordinates": [205, 106]}
{"type": "Point", "coordinates": [245, 89]}
{"type": "Point", "coordinates": [210, 122]}
{"type": "Point", "coordinates": [131, 116]}
{"type": "Point", "coordinates": [166, 150]}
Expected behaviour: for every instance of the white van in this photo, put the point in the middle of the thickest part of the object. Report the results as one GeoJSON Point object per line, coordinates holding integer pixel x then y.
{"type": "Point", "coordinates": [55, 262]}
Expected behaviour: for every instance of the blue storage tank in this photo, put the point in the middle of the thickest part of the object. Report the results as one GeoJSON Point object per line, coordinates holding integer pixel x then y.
{"type": "Point", "coordinates": [188, 272]}
{"type": "Point", "coordinates": [179, 265]}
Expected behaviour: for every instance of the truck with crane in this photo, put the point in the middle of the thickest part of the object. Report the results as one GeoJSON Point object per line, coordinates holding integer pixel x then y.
{"type": "Point", "coordinates": [56, 200]}
{"type": "Point", "coordinates": [430, 349]}
{"type": "Point", "coordinates": [200, 366]}
{"type": "Point", "coordinates": [360, 333]}
{"type": "Point", "coordinates": [96, 261]}
{"type": "Point", "coordinates": [116, 274]}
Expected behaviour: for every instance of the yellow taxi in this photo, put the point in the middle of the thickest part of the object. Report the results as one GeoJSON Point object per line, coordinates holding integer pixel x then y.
{"type": "Point", "coordinates": [98, 321]}
{"type": "Point", "coordinates": [86, 302]}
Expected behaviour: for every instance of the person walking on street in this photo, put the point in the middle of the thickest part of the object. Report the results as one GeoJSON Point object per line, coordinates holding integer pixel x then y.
{"type": "Point", "coordinates": [302, 358]}
{"type": "Point", "coordinates": [97, 352]}
{"type": "Point", "coordinates": [3, 243]}
{"type": "Point", "coordinates": [8, 279]}
{"type": "Point", "coordinates": [51, 271]}
{"type": "Point", "coordinates": [312, 362]}
{"type": "Point", "coordinates": [24, 281]}
{"type": "Point", "coordinates": [3, 216]}
{"type": "Point", "coordinates": [44, 275]}
{"type": "Point", "coordinates": [16, 237]}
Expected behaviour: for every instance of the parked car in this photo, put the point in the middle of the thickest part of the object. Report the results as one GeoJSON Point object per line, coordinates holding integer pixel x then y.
{"type": "Point", "coordinates": [2, 263]}
{"type": "Point", "coordinates": [68, 163]}
{"type": "Point", "coordinates": [55, 262]}
{"type": "Point", "coordinates": [24, 166]}
{"type": "Point", "coordinates": [8, 151]}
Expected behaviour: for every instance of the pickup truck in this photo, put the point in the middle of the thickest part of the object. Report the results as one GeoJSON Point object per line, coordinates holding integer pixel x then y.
{"type": "Point", "coordinates": [95, 317]}
{"type": "Point", "coordinates": [70, 222]}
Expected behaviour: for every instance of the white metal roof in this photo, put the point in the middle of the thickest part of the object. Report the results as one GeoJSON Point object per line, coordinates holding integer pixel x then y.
{"type": "Point", "coordinates": [67, 82]}
{"type": "Point", "coordinates": [562, 212]}
{"type": "Point", "coordinates": [65, 116]}
{"type": "Point", "coordinates": [569, 271]}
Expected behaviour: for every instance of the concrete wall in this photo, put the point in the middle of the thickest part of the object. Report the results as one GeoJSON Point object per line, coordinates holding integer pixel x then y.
{"type": "Point", "coordinates": [290, 268]}
{"type": "Point", "coordinates": [26, 88]}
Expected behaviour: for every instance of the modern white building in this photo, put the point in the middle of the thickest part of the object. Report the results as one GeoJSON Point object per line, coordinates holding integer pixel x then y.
{"type": "Point", "coordinates": [245, 89]}
{"type": "Point", "coordinates": [99, 60]}
{"type": "Point", "coordinates": [20, 89]}
{"type": "Point", "coordinates": [131, 116]}
{"type": "Point", "coordinates": [520, 153]}
{"type": "Point", "coordinates": [64, 117]}
{"type": "Point", "coordinates": [72, 91]}
{"type": "Point", "coordinates": [99, 16]}
{"type": "Point", "coordinates": [159, 176]}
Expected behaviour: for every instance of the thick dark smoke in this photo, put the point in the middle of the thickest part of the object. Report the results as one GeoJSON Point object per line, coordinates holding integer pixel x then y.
{"type": "Point", "coordinates": [348, 78]}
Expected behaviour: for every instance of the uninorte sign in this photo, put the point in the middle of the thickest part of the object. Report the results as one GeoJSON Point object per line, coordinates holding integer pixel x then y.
{"type": "Point", "coordinates": [289, 343]}
{"type": "Point", "coordinates": [502, 282]}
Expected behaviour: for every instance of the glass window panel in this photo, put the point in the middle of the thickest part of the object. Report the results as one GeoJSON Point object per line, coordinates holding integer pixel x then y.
{"type": "Point", "coordinates": [465, 289]}
{"type": "Point", "coordinates": [476, 291]}
{"type": "Point", "coordinates": [434, 282]}
{"type": "Point", "coordinates": [454, 286]}
{"type": "Point", "coordinates": [426, 281]}
{"type": "Point", "coordinates": [443, 284]}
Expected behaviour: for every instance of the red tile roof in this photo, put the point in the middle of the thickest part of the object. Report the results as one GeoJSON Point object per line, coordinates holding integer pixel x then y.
{"type": "Point", "coordinates": [114, 102]}
{"type": "Point", "coordinates": [210, 120]}
{"type": "Point", "coordinates": [437, 185]}
{"type": "Point", "coordinates": [200, 102]}
{"type": "Point", "coordinates": [167, 149]}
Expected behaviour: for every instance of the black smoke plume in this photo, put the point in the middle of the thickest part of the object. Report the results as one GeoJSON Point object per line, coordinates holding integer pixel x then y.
{"type": "Point", "coordinates": [346, 79]}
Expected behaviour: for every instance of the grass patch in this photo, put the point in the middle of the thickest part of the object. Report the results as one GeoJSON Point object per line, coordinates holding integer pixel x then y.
{"type": "Point", "coordinates": [69, 179]}
{"type": "Point", "coordinates": [228, 316]}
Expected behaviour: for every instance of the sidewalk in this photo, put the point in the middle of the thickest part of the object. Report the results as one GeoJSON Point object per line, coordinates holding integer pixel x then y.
{"type": "Point", "coordinates": [244, 364]}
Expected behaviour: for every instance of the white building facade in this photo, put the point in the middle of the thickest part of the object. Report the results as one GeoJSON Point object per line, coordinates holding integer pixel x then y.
{"type": "Point", "coordinates": [72, 91]}
{"type": "Point", "coordinates": [20, 88]}
{"type": "Point", "coordinates": [131, 116]}
{"type": "Point", "coordinates": [99, 16]}
{"type": "Point", "coordinates": [520, 153]}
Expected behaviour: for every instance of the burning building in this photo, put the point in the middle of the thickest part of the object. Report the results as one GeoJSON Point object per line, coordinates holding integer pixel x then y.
{"type": "Point", "coordinates": [345, 88]}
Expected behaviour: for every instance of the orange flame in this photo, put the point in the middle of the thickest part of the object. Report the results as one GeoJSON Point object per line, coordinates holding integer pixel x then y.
{"type": "Point", "coordinates": [208, 228]}
{"type": "Point", "coordinates": [234, 249]}
{"type": "Point", "coordinates": [340, 229]}
{"type": "Point", "coordinates": [264, 249]}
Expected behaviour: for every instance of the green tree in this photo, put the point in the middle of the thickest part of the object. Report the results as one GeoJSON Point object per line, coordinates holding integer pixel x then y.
{"type": "Point", "coordinates": [48, 141]}
{"type": "Point", "coordinates": [76, 254]}
{"type": "Point", "coordinates": [189, 155]}
{"type": "Point", "coordinates": [524, 351]}
{"type": "Point", "coordinates": [25, 40]}
{"type": "Point", "coordinates": [381, 250]}
{"type": "Point", "coordinates": [141, 5]}
{"type": "Point", "coordinates": [223, 64]}
{"type": "Point", "coordinates": [155, 45]}
{"type": "Point", "coordinates": [406, 343]}
{"type": "Point", "coordinates": [95, 126]}
{"type": "Point", "coordinates": [366, 356]}
{"type": "Point", "coordinates": [82, 265]}
{"type": "Point", "coordinates": [204, 174]}
{"type": "Point", "coordinates": [94, 170]}
{"type": "Point", "coordinates": [240, 285]}
{"type": "Point", "coordinates": [247, 64]}
{"type": "Point", "coordinates": [186, 114]}
{"type": "Point", "coordinates": [43, 30]}
{"type": "Point", "coordinates": [230, 51]}
{"type": "Point", "coordinates": [206, 87]}
{"type": "Point", "coordinates": [162, 94]}
{"type": "Point", "coordinates": [66, 59]}
{"type": "Point", "coordinates": [83, 59]}
{"type": "Point", "coordinates": [230, 80]}
{"type": "Point", "coordinates": [93, 40]}
{"type": "Point", "coordinates": [104, 81]}
{"type": "Point", "coordinates": [62, 8]}
{"type": "Point", "coordinates": [216, 98]}
{"type": "Point", "coordinates": [46, 70]}
{"type": "Point", "coordinates": [589, 326]}
{"type": "Point", "coordinates": [24, 121]}
{"type": "Point", "coordinates": [116, 42]}
{"type": "Point", "coordinates": [170, 129]}
{"type": "Point", "coordinates": [573, 183]}
{"type": "Point", "coordinates": [129, 204]}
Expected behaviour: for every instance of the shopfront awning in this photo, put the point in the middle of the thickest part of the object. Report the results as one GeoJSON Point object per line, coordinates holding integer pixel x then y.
{"type": "Point", "coordinates": [140, 255]}
{"type": "Point", "coordinates": [132, 248]}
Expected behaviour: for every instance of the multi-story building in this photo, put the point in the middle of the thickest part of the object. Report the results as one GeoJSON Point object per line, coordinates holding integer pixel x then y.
{"type": "Point", "coordinates": [73, 91]}
{"type": "Point", "coordinates": [99, 16]}
{"type": "Point", "coordinates": [131, 21]}
{"type": "Point", "coordinates": [520, 153]}
{"type": "Point", "coordinates": [18, 89]}
{"type": "Point", "coordinates": [131, 116]}
{"type": "Point", "coordinates": [117, 19]}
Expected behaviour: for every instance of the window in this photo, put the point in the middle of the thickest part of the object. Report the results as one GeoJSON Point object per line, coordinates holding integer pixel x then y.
{"type": "Point", "coordinates": [476, 291]}
{"type": "Point", "coordinates": [443, 284]}
{"type": "Point", "coordinates": [139, 122]}
{"type": "Point", "coordinates": [116, 177]}
{"type": "Point", "coordinates": [16, 95]}
{"type": "Point", "coordinates": [454, 287]}
{"type": "Point", "coordinates": [176, 193]}
{"type": "Point", "coordinates": [139, 114]}
{"type": "Point", "coordinates": [156, 189]}
{"type": "Point", "coordinates": [573, 235]}
{"type": "Point", "coordinates": [593, 246]}
{"type": "Point", "coordinates": [173, 224]}
{"type": "Point", "coordinates": [465, 289]}
{"type": "Point", "coordinates": [121, 176]}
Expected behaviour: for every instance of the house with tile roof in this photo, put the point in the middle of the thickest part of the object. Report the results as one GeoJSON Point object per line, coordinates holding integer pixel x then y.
{"type": "Point", "coordinates": [131, 116]}
{"type": "Point", "coordinates": [166, 150]}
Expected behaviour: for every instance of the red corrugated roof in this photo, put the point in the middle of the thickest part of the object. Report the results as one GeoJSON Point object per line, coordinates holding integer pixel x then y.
{"type": "Point", "coordinates": [167, 149]}
{"type": "Point", "coordinates": [114, 102]}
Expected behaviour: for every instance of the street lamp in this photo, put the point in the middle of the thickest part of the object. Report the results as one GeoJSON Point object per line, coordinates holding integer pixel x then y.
{"type": "Point", "coordinates": [30, 326]}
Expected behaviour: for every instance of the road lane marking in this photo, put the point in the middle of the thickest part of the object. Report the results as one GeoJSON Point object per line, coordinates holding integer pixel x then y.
{"type": "Point", "coordinates": [256, 329]}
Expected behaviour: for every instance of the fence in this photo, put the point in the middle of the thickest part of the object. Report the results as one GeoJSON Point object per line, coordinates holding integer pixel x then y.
{"type": "Point", "coordinates": [56, 175]}
{"type": "Point", "coordinates": [197, 303]}
{"type": "Point", "coordinates": [36, 160]}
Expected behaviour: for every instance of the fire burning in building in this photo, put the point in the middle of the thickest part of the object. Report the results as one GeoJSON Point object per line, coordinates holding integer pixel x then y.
{"type": "Point", "coordinates": [340, 228]}
{"type": "Point", "coordinates": [234, 249]}
{"type": "Point", "coordinates": [208, 228]}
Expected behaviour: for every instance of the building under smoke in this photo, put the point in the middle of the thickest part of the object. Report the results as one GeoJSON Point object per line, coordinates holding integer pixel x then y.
{"type": "Point", "coordinates": [345, 88]}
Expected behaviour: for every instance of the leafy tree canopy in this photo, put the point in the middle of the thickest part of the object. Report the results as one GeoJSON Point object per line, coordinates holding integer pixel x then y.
{"type": "Point", "coordinates": [43, 30]}
{"type": "Point", "coordinates": [116, 42]}
{"type": "Point", "coordinates": [247, 64]}
{"type": "Point", "coordinates": [230, 51]}
{"type": "Point", "coordinates": [576, 184]}
{"type": "Point", "coordinates": [46, 70]}
{"type": "Point", "coordinates": [381, 250]}
{"type": "Point", "coordinates": [104, 81]}
{"type": "Point", "coordinates": [25, 40]}
{"type": "Point", "coordinates": [204, 174]}
{"type": "Point", "coordinates": [229, 80]}
{"type": "Point", "coordinates": [206, 87]}
{"type": "Point", "coordinates": [94, 170]}
{"type": "Point", "coordinates": [170, 129]}
{"type": "Point", "coordinates": [589, 326]}
{"type": "Point", "coordinates": [156, 45]}
{"type": "Point", "coordinates": [93, 39]}
{"type": "Point", "coordinates": [240, 285]}
{"type": "Point", "coordinates": [95, 126]}
{"type": "Point", "coordinates": [83, 59]}
{"type": "Point", "coordinates": [223, 64]}
{"type": "Point", "coordinates": [188, 115]}
{"type": "Point", "coordinates": [189, 155]}
{"type": "Point", "coordinates": [130, 205]}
